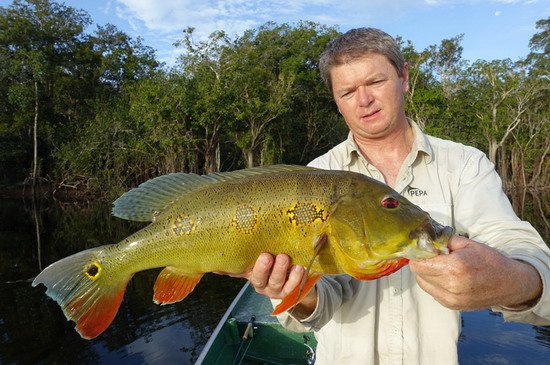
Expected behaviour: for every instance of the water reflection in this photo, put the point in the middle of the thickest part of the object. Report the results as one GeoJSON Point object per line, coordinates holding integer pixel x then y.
{"type": "Point", "coordinates": [32, 326]}
{"type": "Point", "coordinates": [487, 339]}
{"type": "Point", "coordinates": [34, 330]}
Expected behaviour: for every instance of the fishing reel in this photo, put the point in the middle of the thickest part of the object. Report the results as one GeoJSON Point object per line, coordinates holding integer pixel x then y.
{"type": "Point", "coordinates": [310, 353]}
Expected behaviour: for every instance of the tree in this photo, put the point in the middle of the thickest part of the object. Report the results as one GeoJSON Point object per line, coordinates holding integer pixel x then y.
{"type": "Point", "coordinates": [540, 49]}
{"type": "Point", "coordinates": [312, 123]}
{"type": "Point", "coordinates": [530, 167]}
{"type": "Point", "coordinates": [122, 59]}
{"type": "Point", "coordinates": [260, 88]}
{"type": "Point", "coordinates": [447, 64]}
{"type": "Point", "coordinates": [501, 94]}
{"type": "Point", "coordinates": [205, 76]}
{"type": "Point", "coordinates": [38, 40]}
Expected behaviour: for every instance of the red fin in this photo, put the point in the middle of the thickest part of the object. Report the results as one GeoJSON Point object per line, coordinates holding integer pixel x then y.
{"type": "Point", "coordinates": [97, 316]}
{"type": "Point", "coordinates": [383, 268]}
{"type": "Point", "coordinates": [173, 285]}
{"type": "Point", "coordinates": [299, 293]}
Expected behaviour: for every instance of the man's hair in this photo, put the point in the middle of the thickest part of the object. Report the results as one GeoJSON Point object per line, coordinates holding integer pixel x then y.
{"type": "Point", "coordinates": [358, 43]}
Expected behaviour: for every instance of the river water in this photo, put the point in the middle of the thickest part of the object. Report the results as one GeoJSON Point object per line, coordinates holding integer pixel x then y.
{"type": "Point", "coordinates": [33, 330]}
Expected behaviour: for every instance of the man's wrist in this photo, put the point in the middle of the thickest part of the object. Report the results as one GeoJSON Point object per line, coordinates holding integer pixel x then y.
{"type": "Point", "coordinates": [306, 307]}
{"type": "Point", "coordinates": [532, 288]}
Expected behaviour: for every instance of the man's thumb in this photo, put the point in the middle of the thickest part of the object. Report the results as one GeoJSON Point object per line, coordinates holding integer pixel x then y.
{"type": "Point", "coordinates": [457, 242]}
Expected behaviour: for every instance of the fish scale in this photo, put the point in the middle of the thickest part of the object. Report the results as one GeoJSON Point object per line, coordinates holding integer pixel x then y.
{"type": "Point", "coordinates": [332, 222]}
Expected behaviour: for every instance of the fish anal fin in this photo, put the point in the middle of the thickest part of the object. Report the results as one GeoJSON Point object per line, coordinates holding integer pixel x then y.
{"type": "Point", "coordinates": [173, 285]}
{"type": "Point", "coordinates": [296, 296]}
{"type": "Point", "coordinates": [383, 268]}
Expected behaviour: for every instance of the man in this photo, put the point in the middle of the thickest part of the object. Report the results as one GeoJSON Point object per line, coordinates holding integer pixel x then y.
{"type": "Point", "coordinates": [412, 315]}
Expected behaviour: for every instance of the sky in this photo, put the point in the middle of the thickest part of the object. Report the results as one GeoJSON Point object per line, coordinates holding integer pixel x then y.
{"type": "Point", "coordinates": [493, 29]}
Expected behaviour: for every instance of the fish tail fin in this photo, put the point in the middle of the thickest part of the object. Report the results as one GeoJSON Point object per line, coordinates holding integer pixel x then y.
{"type": "Point", "coordinates": [88, 293]}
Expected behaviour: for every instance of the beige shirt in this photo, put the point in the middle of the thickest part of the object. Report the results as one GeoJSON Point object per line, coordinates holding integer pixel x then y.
{"type": "Point", "coordinates": [392, 320]}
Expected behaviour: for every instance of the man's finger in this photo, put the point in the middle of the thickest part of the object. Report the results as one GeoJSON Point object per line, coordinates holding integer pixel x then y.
{"type": "Point", "coordinates": [294, 279]}
{"type": "Point", "coordinates": [431, 266]}
{"type": "Point", "coordinates": [261, 270]}
{"type": "Point", "coordinates": [457, 242]}
{"type": "Point", "coordinates": [279, 272]}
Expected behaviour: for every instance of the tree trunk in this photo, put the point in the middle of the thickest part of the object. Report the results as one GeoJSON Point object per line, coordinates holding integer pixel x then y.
{"type": "Point", "coordinates": [35, 140]}
{"type": "Point", "coordinates": [538, 179]}
{"type": "Point", "coordinates": [37, 231]}
{"type": "Point", "coordinates": [507, 181]}
{"type": "Point", "coordinates": [218, 157]}
{"type": "Point", "coordinates": [249, 156]}
{"type": "Point", "coordinates": [493, 148]}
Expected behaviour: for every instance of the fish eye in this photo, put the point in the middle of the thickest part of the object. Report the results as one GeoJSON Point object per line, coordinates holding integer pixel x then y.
{"type": "Point", "coordinates": [390, 202]}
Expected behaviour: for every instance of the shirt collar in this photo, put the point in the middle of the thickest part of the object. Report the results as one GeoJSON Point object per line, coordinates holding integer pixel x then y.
{"type": "Point", "coordinates": [351, 149]}
{"type": "Point", "coordinates": [420, 144]}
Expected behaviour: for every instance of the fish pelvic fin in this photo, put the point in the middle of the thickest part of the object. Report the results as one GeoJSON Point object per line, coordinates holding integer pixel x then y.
{"type": "Point", "coordinates": [87, 292]}
{"type": "Point", "coordinates": [380, 269]}
{"type": "Point", "coordinates": [296, 295]}
{"type": "Point", "coordinates": [173, 285]}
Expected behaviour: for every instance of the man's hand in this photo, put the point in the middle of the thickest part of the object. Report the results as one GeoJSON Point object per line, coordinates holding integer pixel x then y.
{"type": "Point", "coordinates": [275, 278]}
{"type": "Point", "coordinates": [475, 276]}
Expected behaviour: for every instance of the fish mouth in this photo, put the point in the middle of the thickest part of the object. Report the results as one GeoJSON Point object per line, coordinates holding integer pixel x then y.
{"type": "Point", "coordinates": [433, 237]}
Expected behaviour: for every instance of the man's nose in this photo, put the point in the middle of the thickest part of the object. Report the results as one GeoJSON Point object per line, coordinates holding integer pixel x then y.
{"type": "Point", "coordinates": [364, 96]}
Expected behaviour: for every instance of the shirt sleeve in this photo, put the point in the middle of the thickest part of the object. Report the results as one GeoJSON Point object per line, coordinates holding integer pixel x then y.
{"type": "Point", "coordinates": [484, 213]}
{"type": "Point", "coordinates": [332, 292]}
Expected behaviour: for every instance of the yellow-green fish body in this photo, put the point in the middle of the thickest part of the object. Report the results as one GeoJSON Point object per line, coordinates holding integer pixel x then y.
{"type": "Point", "coordinates": [332, 222]}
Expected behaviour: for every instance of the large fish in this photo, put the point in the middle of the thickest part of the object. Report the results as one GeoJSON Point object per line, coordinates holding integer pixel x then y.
{"type": "Point", "coordinates": [332, 222]}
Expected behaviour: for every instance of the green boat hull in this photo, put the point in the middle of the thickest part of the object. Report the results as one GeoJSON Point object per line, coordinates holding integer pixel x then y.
{"type": "Point", "coordinates": [265, 342]}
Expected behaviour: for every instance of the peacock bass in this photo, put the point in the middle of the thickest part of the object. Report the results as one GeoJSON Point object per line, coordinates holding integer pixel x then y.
{"type": "Point", "coordinates": [332, 222]}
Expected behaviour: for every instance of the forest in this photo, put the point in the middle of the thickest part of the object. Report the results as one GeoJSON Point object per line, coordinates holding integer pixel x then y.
{"type": "Point", "coordinates": [98, 113]}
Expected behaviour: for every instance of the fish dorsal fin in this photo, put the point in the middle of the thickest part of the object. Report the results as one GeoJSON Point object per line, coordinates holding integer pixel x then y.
{"type": "Point", "coordinates": [145, 202]}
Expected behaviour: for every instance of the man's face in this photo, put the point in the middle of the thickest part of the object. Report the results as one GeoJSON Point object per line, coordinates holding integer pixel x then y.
{"type": "Point", "coordinates": [369, 95]}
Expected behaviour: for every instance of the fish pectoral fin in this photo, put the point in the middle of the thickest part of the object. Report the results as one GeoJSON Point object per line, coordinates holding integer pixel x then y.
{"type": "Point", "coordinates": [380, 269]}
{"type": "Point", "coordinates": [296, 296]}
{"type": "Point", "coordinates": [173, 285]}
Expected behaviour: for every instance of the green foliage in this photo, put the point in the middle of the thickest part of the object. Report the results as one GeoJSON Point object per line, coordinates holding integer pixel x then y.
{"type": "Point", "coordinates": [540, 49]}
{"type": "Point", "coordinates": [110, 116]}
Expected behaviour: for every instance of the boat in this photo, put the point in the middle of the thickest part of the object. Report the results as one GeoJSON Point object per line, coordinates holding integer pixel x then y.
{"type": "Point", "coordinates": [249, 334]}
